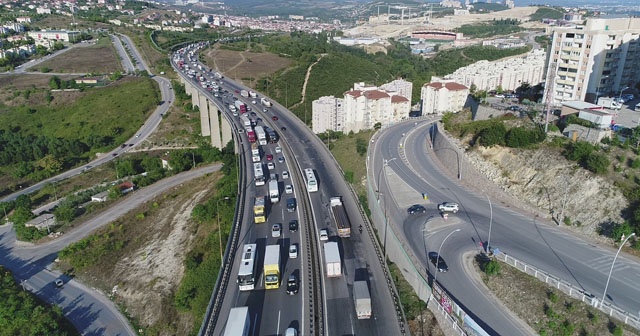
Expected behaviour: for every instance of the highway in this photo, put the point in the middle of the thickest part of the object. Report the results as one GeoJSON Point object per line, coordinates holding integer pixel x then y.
{"type": "Point", "coordinates": [541, 244]}
{"type": "Point", "coordinates": [358, 252]}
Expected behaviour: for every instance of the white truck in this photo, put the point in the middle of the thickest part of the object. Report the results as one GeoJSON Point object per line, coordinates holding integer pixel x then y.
{"type": "Point", "coordinates": [245, 120]}
{"type": "Point", "coordinates": [255, 152]}
{"type": "Point", "coordinates": [332, 259]}
{"type": "Point", "coordinates": [362, 300]}
{"type": "Point", "coordinates": [274, 193]}
{"type": "Point", "coordinates": [609, 103]}
{"type": "Point", "coordinates": [244, 93]}
{"type": "Point", "coordinates": [253, 94]}
{"type": "Point", "coordinates": [238, 322]}
{"type": "Point", "coordinates": [265, 102]}
{"type": "Point", "coordinates": [261, 135]}
{"type": "Point", "coordinates": [340, 217]}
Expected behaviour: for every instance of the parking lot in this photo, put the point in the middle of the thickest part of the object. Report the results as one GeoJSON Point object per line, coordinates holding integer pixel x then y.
{"type": "Point", "coordinates": [626, 116]}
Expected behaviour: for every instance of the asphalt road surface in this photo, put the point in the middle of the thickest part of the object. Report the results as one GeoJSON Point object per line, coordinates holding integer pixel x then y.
{"type": "Point", "coordinates": [541, 244]}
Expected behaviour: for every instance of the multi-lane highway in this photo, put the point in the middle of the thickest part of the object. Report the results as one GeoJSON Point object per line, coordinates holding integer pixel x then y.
{"type": "Point", "coordinates": [270, 309]}
{"type": "Point", "coordinates": [525, 237]}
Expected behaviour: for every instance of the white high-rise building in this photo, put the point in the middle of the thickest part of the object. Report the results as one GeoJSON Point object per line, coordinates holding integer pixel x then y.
{"type": "Point", "coordinates": [600, 58]}
{"type": "Point", "coordinates": [399, 87]}
{"type": "Point", "coordinates": [327, 114]}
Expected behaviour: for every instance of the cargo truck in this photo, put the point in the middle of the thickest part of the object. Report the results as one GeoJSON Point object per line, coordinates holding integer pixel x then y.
{"type": "Point", "coordinates": [609, 103]}
{"type": "Point", "coordinates": [259, 213]}
{"type": "Point", "coordinates": [250, 135]}
{"type": "Point", "coordinates": [332, 259]}
{"type": "Point", "coordinates": [274, 193]}
{"type": "Point", "coordinates": [261, 135]}
{"type": "Point", "coordinates": [255, 152]}
{"type": "Point", "coordinates": [265, 102]}
{"type": "Point", "coordinates": [242, 107]}
{"type": "Point", "coordinates": [245, 120]}
{"type": "Point", "coordinates": [362, 300]}
{"type": "Point", "coordinates": [238, 322]}
{"type": "Point", "coordinates": [244, 93]}
{"type": "Point", "coordinates": [339, 215]}
{"type": "Point", "coordinates": [271, 267]}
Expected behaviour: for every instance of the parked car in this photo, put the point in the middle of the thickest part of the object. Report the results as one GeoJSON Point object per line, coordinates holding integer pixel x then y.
{"type": "Point", "coordinates": [416, 208]}
{"type": "Point", "coordinates": [448, 207]}
{"type": "Point", "coordinates": [278, 149]}
{"type": "Point", "coordinates": [438, 262]}
{"type": "Point", "coordinates": [271, 166]}
{"type": "Point", "coordinates": [275, 230]}
{"type": "Point", "coordinates": [285, 175]}
{"type": "Point", "coordinates": [288, 189]}
{"type": "Point", "coordinates": [281, 159]}
{"type": "Point", "coordinates": [269, 157]}
{"type": "Point", "coordinates": [59, 283]}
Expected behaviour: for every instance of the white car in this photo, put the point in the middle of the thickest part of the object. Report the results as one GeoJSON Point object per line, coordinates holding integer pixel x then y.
{"type": "Point", "coordinates": [324, 235]}
{"type": "Point", "coordinates": [288, 189]}
{"type": "Point", "coordinates": [285, 174]}
{"type": "Point", "coordinates": [271, 166]}
{"type": "Point", "coordinates": [275, 230]}
{"type": "Point", "coordinates": [278, 150]}
{"type": "Point", "coordinates": [448, 206]}
{"type": "Point", "coordinates": [293, 251]}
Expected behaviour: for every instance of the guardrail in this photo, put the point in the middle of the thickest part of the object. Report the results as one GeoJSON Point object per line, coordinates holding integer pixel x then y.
{"type": "Point", "coordinates": [215, 302]}
{"type": "Point", "coordinates": [571, 290]}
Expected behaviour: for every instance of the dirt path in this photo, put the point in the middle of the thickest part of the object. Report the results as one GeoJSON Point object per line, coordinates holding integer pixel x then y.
{"type": "Point", "coordinates": [306, 79]}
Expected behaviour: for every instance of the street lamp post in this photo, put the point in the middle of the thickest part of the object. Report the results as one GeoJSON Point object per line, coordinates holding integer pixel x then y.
{"type": "Point", "coordinates": [435, 277]}
{"type": "Point", "coordinates": [385, 164]}
{"type": "Point", "coordinates": [219, 227]}
{"type": "Point", "coordinates": [604, 295]}
{"type": "Point", "coordinates": [490, 221]}
{"type": "Point", "coordinates": [620, 95]}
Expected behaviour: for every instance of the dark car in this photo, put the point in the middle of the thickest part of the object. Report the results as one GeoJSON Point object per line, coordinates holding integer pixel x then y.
{"type": "Point", "coordinates": [283, 128]}
{"type": "Point", "coordinates": [293, 225]}
{"type": "Point", "coordinates": [274, 118]}
{"type": "Point", "coordinates": [416, 208]}
{"type": "Point", "coordinates": [439, 263]}
{"type": "Point", "coordinates": [292, 285]}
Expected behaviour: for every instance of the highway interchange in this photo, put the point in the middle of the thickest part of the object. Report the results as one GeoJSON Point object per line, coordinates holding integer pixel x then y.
{"type": "Point", "coordinates": [547, 247]}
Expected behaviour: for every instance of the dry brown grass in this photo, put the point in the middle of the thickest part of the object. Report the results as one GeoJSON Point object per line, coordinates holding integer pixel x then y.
{"type": "Point", "coordinates": [546, 309]}
{"type": "Point", "coordinates": [242, 65]}
{"type": "Point", "coordinates": [146, 284]}
{"type": "Point", "coordinates": [100, 58]}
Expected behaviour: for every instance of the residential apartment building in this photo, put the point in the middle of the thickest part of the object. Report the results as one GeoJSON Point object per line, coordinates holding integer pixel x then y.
{"type": "Point", "coordinates": [443, 96]}
{"type": "Point", "coordinates": [600, 58]}
{"type": "Point", "coordinates": [362, 108]}
{"type": "Point", "coordinates": [508, 74]}
{"type": "Point", "coordinates": [53, 35]}
{"type": "Point", "coordinates": [327, 114]}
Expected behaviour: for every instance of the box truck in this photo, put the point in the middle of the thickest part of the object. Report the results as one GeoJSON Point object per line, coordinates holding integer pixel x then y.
{"type": "Point", "coordinates": [332, 259]}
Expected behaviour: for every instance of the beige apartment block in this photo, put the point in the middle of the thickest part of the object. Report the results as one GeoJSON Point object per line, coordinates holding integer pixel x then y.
{"type": "Point", "coordinates": [443, 96]}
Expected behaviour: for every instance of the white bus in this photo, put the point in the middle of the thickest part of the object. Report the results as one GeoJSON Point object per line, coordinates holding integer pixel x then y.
{"type": "Point", "coordinates": [238, 322]}
{"type": "Point", "coordinates": [310, 177]}
{"type": "Point", "coordinates": [247, 272]}
{"type": "Point", "coordinates": [258, 174]}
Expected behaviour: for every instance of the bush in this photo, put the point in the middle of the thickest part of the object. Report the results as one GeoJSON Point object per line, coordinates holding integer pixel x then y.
{"type": "Point", "coordinates": [635, 164]}
{"type": "Point", "coordinates": [519, 137]}
{"type": "Point", "coordinates": [492, 268]}
{"type": "Point", "coordinates": [597, 163]}
{"type": "Point", "coordinates": [493, 135]}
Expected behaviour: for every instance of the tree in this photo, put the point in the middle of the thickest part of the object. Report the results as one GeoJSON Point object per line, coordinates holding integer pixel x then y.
{"type": "Point", "coordinates": [50, 163]}
{"type": "Point", "coordinates": [54, 83]}
{"type": "Point", "coordinates": [65, 212]}
{"type": "Point", "coordinates": [597, 163]}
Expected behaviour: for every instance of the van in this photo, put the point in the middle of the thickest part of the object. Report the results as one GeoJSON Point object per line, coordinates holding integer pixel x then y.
{"type": "Point", "coordinates": [291, 204]}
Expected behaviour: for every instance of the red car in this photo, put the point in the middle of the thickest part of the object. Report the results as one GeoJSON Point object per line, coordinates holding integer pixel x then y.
{"type": "Point", "coordinates": [269, 157]}
{"type": "Point", "coordinates": [274, 118]}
